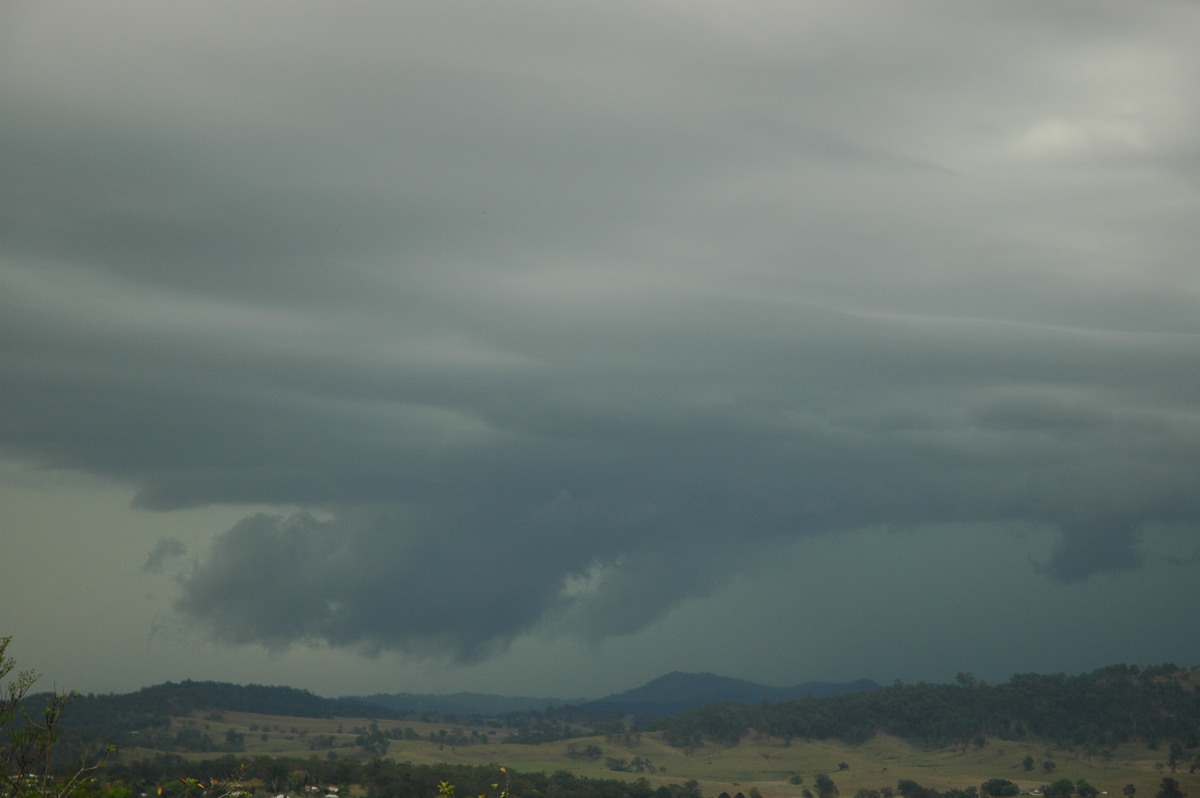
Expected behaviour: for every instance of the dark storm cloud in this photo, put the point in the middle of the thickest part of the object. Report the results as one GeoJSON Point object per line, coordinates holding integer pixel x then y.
{"type": "Point", "coordinates": [164, 550]}
{"type": "Point", "coordinates": [556, 326]}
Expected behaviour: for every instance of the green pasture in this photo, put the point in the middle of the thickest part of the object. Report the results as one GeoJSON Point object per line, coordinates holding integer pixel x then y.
{"type": "Point", "coordinates": [769, 764]}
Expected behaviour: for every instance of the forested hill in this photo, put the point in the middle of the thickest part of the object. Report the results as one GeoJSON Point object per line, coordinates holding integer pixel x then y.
{"type": "Point", "coordinates": [678, 692]}
{"type": "Point", "coordinates": [667, 695]}
{"type": "Point", "coordinates": [459, 704]}
{"type": "Point", "coordinates": [1158, 705]}
{"type": "Point", "coordinates": [148, 706]}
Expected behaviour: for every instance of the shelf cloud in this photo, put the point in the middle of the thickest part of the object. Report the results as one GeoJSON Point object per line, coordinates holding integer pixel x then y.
{"type": "Point", "coordinates": [544, 317]}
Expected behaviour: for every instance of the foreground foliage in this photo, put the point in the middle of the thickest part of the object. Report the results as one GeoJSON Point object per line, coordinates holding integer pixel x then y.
{"type": "Point", "coordinates": [383, 778]}
{"type": "Point", "coordinates": [27, 739]}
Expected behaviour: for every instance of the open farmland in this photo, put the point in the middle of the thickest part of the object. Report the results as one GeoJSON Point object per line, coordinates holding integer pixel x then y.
{"type": "Point", "coordinates": [777, 769]}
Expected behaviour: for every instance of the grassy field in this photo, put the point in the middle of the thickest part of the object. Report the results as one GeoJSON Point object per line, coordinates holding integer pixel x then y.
{"type": "Point", "coordinates": [766, 763]}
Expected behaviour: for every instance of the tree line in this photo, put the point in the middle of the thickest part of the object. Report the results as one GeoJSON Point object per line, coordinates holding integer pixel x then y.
{"type": "Point", "coordinates": [1158, 705]}
{"type": "Point", "coordinates": [375, 778]}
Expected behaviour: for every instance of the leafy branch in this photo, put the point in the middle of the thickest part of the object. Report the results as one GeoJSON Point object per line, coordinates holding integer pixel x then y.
{"type": "Point", "coordinates": [28, 740]}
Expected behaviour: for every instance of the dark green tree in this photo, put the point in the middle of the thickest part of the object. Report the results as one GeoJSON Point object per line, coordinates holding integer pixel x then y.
{"type": "Point", "coordinates": [999, 787]}
{"type": "Point", "coordinates": [825, 786]}
{"type": "Point", "coordinates": [1169, 789]}
{"type": "Point", "coordinates": [1063, 788]}
{"type": "Point", "coordinates": [1175, 758]}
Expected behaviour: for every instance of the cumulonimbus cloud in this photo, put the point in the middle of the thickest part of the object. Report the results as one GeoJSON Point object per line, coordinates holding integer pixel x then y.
{"type": "Point", "coordinates": [548, 331]}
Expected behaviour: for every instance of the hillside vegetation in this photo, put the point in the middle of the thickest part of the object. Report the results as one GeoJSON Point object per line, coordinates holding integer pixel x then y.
{"type": "Point", "coordinates": [1113, 728]}
{"type": "Point", "coordinates": [633, 766]}
{"type": "Point", "coordinates": [1115, 705]}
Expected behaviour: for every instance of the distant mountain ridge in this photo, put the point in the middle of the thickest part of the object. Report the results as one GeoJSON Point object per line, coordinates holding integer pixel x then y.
{"type": "Point", "coordinates": [678, 692]}
{"type": "Point", "coordinates": [1156, 705]}
{"type": "Point", "coordinates": [460, 703]}
{"type": "Point", "coordinates": [674, 692]}
{"type": "Point", "coordinates": [666, 695]}
{"type": "Point", "coordinates": [149, 705]}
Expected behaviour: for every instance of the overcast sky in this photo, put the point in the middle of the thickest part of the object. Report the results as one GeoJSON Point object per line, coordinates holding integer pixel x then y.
{"type": "Point", "coordinates": [543, 348]}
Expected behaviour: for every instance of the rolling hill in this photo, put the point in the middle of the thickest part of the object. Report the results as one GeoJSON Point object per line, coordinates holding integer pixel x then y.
{"type": "Point", "coordinates": [1114, 727]}
{"type": "Point", "coordinates": [666, 695]}
{"type": "Point", "coordinates": [678, 692]}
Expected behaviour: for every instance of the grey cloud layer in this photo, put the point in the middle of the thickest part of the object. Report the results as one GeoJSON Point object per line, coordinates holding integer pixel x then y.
{"type": "Point", "coordinates": [575, 313]}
